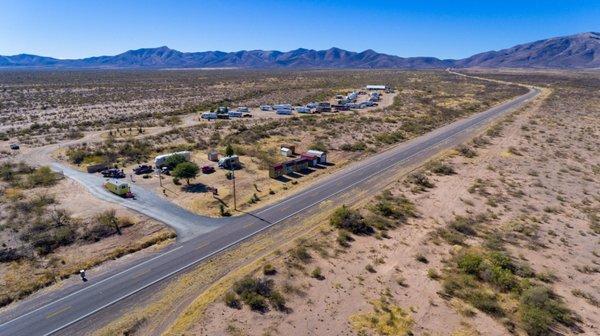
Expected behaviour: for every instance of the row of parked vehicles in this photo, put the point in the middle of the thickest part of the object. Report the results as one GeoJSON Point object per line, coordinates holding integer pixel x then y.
{"type": "Point", "coordinates": [225, 113]}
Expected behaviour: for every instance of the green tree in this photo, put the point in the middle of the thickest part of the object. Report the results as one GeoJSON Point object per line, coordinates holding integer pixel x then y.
{"type": "Point", "coordinates": [186, 170]}
{"type": "Point", "coordinates": [172, 161]}
{"type": "Point", "coordinates": [229, 150]}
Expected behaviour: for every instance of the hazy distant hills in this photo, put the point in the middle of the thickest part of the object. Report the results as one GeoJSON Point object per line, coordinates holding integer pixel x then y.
{"type": "Point", "coordinates": [575, 51]}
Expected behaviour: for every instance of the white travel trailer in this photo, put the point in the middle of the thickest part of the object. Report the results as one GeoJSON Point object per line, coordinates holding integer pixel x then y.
{"type": "Point", "coordinates": [303, 109]}
{"type": "Point", "coordinates": [160, 160]}
{"type": "Point", "coordinates": [208, 115]}
{"type": "Point", "coordinates": [282, 106]}
{"type": "Point", "coordinates": [284, 111]}
{"type": "Point", "coordinates": [235, 114]}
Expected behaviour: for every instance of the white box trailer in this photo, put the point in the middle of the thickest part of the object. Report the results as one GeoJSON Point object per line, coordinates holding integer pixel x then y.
{"type": "Point", "coordinates": [160, 160]}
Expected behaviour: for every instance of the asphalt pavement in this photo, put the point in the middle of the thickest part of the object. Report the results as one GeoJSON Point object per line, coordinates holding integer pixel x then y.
{"type": "Point", "coordinates": [206, 236]}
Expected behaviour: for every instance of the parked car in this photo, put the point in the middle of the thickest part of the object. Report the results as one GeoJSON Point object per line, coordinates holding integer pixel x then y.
{"type": "Point", "coordinates": [266, 108]}
{"type": "Point", "coordinates": [113, 173]}
{"type": "Point", "coordinates": [208, 169]}
{"type": "Point", "coordinates": [247, 115]}
{"type": "Point", "coordinates": [14, 147]}
{"type": "Point", "coordinates": [165, 171]}
{"type": "Point", "coordinates": [143, 169]}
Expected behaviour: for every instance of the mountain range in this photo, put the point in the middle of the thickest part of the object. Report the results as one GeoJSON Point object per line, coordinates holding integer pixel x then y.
{"type": "Point", "coordinates": [566, 52]}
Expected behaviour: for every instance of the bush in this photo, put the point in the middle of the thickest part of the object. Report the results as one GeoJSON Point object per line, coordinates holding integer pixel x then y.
{"type": "Point", "coordinates": [466, 151]}
{"type": "Point", "coordinates": [440, 168]}
{"type": "Point", "coordinates": [9, 254]}
{"type": "Point", "coordinates": [344, 238]}
{"type": "Point", "coordinates": [277, 301]}
{"type": "Point", "coordinates": [420, 180]}
{"type": "Point", "coordinates": [268, 269]}
{"type": "Point", "coordinates": [42, 177]}
{"type": "Point", "coordinates": [463, 225]}
{"type": "Point", "coordinates": [540, 308]}
{"type": "Point", "coordinates": [470, 262]}
{"type": "Point", "coordinates": [316, 273]}
{"type": "Point", "coordinates": [232, 301]}
{"type": "Point", "coordinates": [350, 220]}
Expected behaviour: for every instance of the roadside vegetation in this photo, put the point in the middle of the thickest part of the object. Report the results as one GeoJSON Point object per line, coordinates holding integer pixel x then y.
{"type": "Point", "coordinates": [39, 236]}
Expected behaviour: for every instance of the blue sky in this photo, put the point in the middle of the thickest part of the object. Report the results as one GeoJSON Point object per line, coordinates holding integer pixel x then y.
{"type": "Point", "coordinates": [444, 29]}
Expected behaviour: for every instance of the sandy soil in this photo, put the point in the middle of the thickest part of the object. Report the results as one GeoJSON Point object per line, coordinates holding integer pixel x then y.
{"type": "Point", "coordinates": [539, 179]}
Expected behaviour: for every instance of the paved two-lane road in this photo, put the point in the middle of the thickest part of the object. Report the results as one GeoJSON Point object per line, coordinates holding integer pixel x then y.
{"type": "Point", "coordinates": [50, 313]}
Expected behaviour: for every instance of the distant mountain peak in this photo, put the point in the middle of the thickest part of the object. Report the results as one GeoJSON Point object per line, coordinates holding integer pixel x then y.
{"type": "Point", "coordinates": [575, 51]}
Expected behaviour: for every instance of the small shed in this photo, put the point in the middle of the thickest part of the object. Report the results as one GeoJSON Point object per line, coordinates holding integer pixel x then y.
{"type": "Point", "coordinates": [286, 151]}
{"type": "Point", "coordinates": [313, 160]}
{"type": "Point", "coordinates": [290, 147]}
{"type": "Point", "coordinates": [213, 156]}
{"type": "Point", "coordinates": [276, 170]}
{"type": "Point", "coordinates": [301, 164]}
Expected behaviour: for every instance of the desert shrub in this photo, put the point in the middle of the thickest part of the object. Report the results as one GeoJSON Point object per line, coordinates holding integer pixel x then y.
{"type": "Point", "coordinates": [255, 292]}
{"type": "Point", "coordinates": [397, 207]}
{"type": "Point", "coordinates": [463, 225]}
{"type": "Point", "coordinates": [301, 253]}
{"type": "Point", "coordinates": [354, 147]}
{"type": "Point", "coordinates": [316, 273]}
{"type": "Point", "coordinates": [232, 301]}
{"type": "Point", "coordinates": [441, 168]}
{"type": "Point", "coordinates": [421, 180]}
{"type": "Point", "coordinates": [540, 309]}
{"type": "Point", "coordinates": [469, 262]}
{"type": "Point", "coordinates": [9, 254]}
{"type": "Point", "coordinates": [268, 269]}
{"type": "Point", "coordinates": [344, 238]}
{"type": "Point", "coordinates": [350, 220]}
{"type": "Point", "coordinates": [318, 145]}
{"type": "Point", "coordinates": [466, 151]}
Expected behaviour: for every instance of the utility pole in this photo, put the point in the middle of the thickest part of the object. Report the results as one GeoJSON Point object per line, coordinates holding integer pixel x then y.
{"type": "Point", "coordinates": [233, 180]}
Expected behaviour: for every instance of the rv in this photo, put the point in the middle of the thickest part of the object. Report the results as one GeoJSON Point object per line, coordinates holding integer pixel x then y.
{"type": "Point", "coordinates": [303, 109]}
{"type": "Point", "coordinates": [284, 111]}
{"type": "Point", "coordinates": [324, 107]}
{"type": "Point", "coordinates": [229, 162]}
{"type": "Point", "coordinates": [282, 106]}
{"type": "Point", "coordinates": [235, 114]}
{"type": "Point", "coordinates": [160, 160]}
{"type": "Point", "coordinates": [208, 115]}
